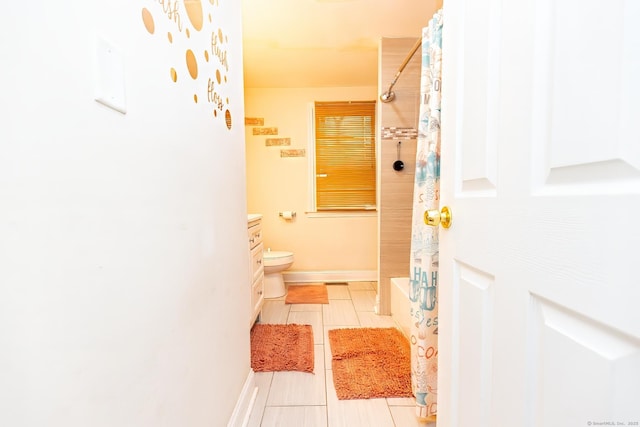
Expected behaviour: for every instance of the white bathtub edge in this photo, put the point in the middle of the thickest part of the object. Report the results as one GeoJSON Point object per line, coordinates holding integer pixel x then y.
{"type": "Point", "coordinates": [402, 283]}
{"type": "Point", "coordinates": [400, 304]}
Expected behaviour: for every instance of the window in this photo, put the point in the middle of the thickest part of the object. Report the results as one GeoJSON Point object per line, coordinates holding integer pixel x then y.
{"type": "Point", "coordinates": [345, 155]}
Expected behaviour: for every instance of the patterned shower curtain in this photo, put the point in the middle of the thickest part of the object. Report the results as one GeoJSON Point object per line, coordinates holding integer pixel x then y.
{"type": "Point", "coordinates": [423, 290]}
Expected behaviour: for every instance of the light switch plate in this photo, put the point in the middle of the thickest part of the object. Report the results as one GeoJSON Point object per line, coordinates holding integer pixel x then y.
{"type": "Point", "coordinates": [109, 76]}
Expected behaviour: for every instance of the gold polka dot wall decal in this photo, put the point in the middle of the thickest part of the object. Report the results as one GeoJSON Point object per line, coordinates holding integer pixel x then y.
{"type": "Point", "coordinates": [194, 12]}
{"type": "Point", "coordinates": [215, 113]}
{"type": "Point", "coordinates": [174, 75]}
{"type": "Point", "coordinates": [209, 17]}
{"type": "Point", "coordinates": [218, 78]}
{"type": "Point", "coordinates": [187, 32]}
{"type": "Point", "coordinates": [227, 118]}
{"type": "Point", "coordinates": [147, 18]}
{"type": "Point", "coordinates": [220, 34]}
{"type": "Point", "coordinates": [192, 64]}
{"type": "Point", "coordinates": [195, 98]}
{"type": "Point", "coordinates": [170, 37]}
{"type": "Point", "coordinates": [206, 55]}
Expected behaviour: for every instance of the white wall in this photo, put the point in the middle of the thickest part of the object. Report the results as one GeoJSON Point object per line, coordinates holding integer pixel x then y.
{"type": "Point", "coordinates": [124, 295]}
{"type": "Point", "coordinates": [275, 184]}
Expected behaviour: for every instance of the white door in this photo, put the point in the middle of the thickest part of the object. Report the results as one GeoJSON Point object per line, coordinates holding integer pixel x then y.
{"type": "Point", "coordinates": [539, 290]}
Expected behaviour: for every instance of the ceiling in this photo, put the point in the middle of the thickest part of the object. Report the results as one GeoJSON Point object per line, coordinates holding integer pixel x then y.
{"type": "Point", "coordinates": [324, 43]}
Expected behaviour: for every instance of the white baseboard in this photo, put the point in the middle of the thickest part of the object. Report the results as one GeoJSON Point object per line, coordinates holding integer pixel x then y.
{"type": "Point", "coordinates": [244, 405]}
{"type": "Point", "coordinates": [330, 276]}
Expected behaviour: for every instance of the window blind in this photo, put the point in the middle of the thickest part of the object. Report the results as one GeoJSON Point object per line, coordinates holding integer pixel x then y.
{"type": "Point", "coordinates": [345, 155]}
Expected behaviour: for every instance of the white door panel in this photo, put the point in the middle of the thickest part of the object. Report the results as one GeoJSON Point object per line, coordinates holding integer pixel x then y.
{"type": "Point", "coordinates": [583, 94]}
{"type": "Point", "coordinates": [478, 102]}
{"type": "Point", "coordinates": [589, 382]}
{"type": "Point", "coordinates": [538, 318]}
{"type": "Point", "coordinates": [473, 295]}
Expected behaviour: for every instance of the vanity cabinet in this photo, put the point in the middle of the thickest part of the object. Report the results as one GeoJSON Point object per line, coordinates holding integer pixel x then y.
{"type": "Point", "coordinates": [257, 268]}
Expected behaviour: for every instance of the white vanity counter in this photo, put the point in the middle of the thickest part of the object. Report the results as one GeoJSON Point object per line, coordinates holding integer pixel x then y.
{"type": "Point", "coordinates": [253, 217]}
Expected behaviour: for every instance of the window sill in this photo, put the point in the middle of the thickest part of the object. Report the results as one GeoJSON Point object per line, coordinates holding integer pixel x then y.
{"type": "Point", "coordinates": [342, 214]}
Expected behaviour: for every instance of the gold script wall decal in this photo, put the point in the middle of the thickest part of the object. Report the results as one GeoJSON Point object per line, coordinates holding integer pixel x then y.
{"type": "Point", "coordinates": [187, 30]}
{"type": "Point", "coordinates": [170, 8]}
{"type": "Point", "coordinates": [217, 50]}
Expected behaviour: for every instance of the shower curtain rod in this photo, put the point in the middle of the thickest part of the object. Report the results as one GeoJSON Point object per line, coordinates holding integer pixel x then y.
{"type": "Point", "coordinates": [389, 95]}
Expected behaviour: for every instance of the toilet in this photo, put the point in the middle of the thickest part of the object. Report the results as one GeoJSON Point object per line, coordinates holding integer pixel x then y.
{"type": "Point", "coordinates": [275, 262]}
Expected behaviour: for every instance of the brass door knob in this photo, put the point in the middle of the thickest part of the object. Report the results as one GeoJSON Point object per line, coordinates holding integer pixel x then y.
{"type": "Point", "coordinates": [435, 217]}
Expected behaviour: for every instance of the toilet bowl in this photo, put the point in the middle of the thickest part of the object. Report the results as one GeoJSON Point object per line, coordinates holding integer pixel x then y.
{"type": "Point", "coordinates": [275, 262]}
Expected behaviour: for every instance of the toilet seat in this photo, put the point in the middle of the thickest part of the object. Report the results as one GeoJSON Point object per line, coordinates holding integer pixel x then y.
{"type": "Point", "coordinates": [277, 257]}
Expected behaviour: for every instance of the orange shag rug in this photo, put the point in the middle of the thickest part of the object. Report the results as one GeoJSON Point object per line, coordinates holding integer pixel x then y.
{"type": "Point", "coordinates": [307, 294]}
{"type": "Point", "coordinates": [281, 348]}
{"type": "Point", "coordinates": [370, 363]}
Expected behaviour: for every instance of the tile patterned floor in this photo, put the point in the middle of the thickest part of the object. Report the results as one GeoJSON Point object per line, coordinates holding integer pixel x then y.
{"type": "Point", "coordinates": [298, 399]}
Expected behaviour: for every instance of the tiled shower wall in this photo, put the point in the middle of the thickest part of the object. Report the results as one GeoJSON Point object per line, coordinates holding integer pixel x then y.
{"type": "Point", "coordinates": [398, 121]}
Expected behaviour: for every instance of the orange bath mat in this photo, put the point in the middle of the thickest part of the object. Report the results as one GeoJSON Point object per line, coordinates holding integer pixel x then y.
{"type": "Point", "coordinates": [307, 294]}
{"type": "Point", "coordinates": [370, 363]}
{"type": "Point", "coordinates": [281, 348]}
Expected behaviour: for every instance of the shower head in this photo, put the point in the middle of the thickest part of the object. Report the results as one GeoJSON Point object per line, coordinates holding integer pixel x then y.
{"type": "Point", "coordinates": [388, 96]}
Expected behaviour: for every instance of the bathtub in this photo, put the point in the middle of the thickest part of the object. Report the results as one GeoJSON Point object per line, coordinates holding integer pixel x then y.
{"type": "Point", "coordinates": [400, 304]}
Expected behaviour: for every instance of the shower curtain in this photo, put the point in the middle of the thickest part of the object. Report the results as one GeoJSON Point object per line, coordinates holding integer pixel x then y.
{"type": "Point", "coordinates": [423, 289]}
